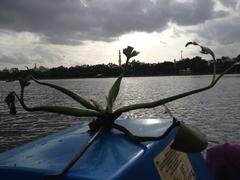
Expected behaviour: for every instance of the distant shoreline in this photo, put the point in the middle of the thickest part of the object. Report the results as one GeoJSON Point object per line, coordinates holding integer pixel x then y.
{"type": "Point", "coordinates": [184, 67]}
{"type": "Point", "coordinates": [104, 77]}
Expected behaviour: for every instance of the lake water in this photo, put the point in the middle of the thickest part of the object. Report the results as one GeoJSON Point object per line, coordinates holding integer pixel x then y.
{"type": "Point", "coordinates": [216, 112]}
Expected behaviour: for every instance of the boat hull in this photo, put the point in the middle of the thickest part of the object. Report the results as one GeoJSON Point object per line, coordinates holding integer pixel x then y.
{"type": "Point", "coordinates": [111, 156]}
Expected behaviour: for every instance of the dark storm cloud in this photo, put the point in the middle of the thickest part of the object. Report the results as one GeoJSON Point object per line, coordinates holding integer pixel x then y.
{"type": "Point", "coordinates": [193, 13]}
{"type": "Point", "coordinates": [71, 22]}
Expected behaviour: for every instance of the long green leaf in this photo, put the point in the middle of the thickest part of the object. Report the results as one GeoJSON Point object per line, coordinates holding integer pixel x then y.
{"type": "Point", "coordinates": [71, 94]}
{"type": "Point", "coordinates": [61, 109]}
{"type": "Point", "coordinates": [112, 95]}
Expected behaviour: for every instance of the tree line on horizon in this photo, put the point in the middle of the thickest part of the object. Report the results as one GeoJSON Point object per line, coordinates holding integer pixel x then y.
{"type": "Point", "coordinates": [186, 66]}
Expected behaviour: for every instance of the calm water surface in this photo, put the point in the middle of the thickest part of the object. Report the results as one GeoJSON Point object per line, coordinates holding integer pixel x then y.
{"type": "Point", "coordinates": [216, 112]}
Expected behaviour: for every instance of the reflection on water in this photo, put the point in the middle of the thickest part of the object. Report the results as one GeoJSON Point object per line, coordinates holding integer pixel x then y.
{"type": "Point", "coordinates": [215, 112]}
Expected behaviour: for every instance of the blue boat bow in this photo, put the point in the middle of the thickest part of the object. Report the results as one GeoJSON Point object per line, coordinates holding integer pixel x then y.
{"type": "Point", "coordinates": [111, 156]}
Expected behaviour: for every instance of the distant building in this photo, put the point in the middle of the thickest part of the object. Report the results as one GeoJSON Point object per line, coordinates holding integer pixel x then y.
{"type": "Point", "coordinates": [119, 59]}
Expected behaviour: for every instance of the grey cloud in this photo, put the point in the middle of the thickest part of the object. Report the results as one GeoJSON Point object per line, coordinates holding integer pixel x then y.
{"type": "Point", "coordinates": [226, 31]}
{"type": "Point", "coordinates": [229, 50]}
{"type": "Point", "coordinates": [39, 55]}
{"type": "Point", "coordinates": [64, 39]}
{"type": "Point", "coordinates": [230, 3]}
{"type": "Point", "coordinates": [71, 22]}
{"type": "Point", "coordinates": [15, 59]}
{"type": "Point", "coordinates": [48, 54]}
{"type": "Point", "coordinates": [197, 12]}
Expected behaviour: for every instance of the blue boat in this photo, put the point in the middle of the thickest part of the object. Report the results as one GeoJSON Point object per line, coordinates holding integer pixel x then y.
{"type": "Point", "coordinates": [111, 156]}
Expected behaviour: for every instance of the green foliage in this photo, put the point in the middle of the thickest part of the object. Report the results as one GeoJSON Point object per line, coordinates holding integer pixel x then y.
{"type": "Point", "coordinates": [113, 93]}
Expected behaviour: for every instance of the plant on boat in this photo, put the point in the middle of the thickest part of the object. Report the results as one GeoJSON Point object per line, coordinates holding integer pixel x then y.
{"type": "Point", "coordinates": [105, 117]}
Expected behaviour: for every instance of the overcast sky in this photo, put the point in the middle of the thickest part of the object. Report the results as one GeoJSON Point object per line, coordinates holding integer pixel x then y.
{"type": "Point", "coordinates": [74, 32]}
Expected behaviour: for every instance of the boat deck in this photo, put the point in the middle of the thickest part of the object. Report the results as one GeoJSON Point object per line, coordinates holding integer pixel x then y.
{"type": "Point", "coordinates": [112, 156]}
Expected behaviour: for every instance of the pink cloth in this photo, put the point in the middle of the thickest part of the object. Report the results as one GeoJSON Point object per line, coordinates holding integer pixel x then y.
{"type": "Point", "coordinates": [224, 161]}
